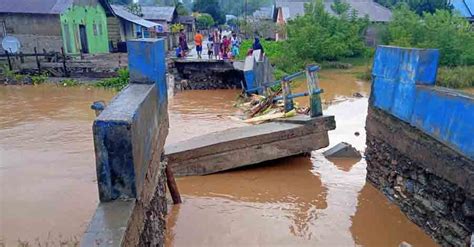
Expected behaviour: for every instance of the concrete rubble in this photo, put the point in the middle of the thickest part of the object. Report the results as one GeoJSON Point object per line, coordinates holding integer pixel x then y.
{"type": "Point", "coordinates": [342, 150]}
{"type": "Point", "coordinates": [232, 148]}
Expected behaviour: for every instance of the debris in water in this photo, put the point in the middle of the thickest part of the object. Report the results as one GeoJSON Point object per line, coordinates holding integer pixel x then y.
{"type": "Point", "coordinates": [404, 244]}
{"type": "Point", "coordinates": [272, 115]}
{"type": "Point", "coordinates": [259, 108]}
{"type": "Point", "coordinates": [358, 95]}
{"type": "Point", "coordinates": [342, 150]}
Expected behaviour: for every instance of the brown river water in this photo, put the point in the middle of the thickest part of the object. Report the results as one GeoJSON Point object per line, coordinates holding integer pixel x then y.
{"type": "Point", "coordinates": [48, 185]}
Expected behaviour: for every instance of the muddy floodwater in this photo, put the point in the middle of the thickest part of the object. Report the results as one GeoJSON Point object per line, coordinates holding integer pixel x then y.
{"type": "Point", "coordinates": [48, 185]}
{"type": "Point", "coordinates": [298, 201]}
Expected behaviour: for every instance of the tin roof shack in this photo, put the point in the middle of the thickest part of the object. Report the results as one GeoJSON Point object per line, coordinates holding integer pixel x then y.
{"type": "Point", "coordinates": [189, 23]}
{"type": "Point", "coordinates": [76, 25]}
{"type": "Point", "coordinates": [123, 25]}
{"type": "Point", "coordinates": [165, 16]}
{"type": "Point", "coordinates": [291, 9]}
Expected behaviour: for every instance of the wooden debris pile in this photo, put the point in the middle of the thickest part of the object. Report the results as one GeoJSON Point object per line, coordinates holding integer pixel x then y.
{"type": "Point", "coordinates": [258, 108]}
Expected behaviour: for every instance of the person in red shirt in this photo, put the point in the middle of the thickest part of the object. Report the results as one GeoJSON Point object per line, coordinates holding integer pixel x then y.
{"type": "Point", "coordinates": [225, 46]}
{"type": "Point", "coordinates": [198, 42]}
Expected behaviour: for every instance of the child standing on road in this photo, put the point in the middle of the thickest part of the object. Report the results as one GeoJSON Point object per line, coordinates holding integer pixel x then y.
{"type": "Point", "coordinates": [216, 44]}
{"type": "Point", "coordinates": [235, 45]}
{"type": "Point", "coordinates": [210, 47]}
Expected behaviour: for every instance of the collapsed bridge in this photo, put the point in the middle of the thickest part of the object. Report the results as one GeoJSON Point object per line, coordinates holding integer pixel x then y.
{"type": "Point", "coordinates": [132, 169]}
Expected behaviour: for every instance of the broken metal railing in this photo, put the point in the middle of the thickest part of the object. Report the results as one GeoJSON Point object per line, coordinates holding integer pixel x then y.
{"type": "Point", "coordinates": [313, 92]}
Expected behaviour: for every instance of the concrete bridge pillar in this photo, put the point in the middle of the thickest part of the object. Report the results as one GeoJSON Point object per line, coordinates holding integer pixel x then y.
{"type": "Point", "coordinates": [129, 137]}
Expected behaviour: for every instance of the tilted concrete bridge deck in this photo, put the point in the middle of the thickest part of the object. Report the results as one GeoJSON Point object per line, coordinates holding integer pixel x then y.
{"type": "Point", "coordinates": [237, 147]}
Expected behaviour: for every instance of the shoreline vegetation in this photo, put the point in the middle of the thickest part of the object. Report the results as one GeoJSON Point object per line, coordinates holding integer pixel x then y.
{"type": "Point", "coordinates": [337, 41]}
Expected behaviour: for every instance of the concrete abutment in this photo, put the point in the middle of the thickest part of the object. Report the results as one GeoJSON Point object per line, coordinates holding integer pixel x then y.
{"type": "Point", "coordinates": [420, 144]}
{"type": "Point", "coordinates": [129, 138]}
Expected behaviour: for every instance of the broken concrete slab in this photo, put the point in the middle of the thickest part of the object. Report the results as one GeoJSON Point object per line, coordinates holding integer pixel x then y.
{"type": "Point", "coordinates": [248, 145]}
{"type": "Point", "coordinates": [342, 150]}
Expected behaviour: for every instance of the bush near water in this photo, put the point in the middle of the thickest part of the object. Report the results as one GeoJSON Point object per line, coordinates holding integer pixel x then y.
{"type": "Point", "coordinates": [117, 83]}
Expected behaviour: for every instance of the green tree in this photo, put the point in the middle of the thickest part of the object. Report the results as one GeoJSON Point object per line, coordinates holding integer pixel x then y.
{"type": "Point", "coordinates": [181, 9]}
{"type": "Point", "coordinates": [319, 36]}
{"type": "Point", "coordinates": [211, 7]}
{"type": "Point", "coordinates": [340, 7]}
{"type": "Point", "coordinates": [448, 32]}
{"type": "Point", "coordinates": [204, 21]}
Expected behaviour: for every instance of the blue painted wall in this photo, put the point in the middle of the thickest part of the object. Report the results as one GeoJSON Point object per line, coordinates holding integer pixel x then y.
{"type": "Point", "coordinates": [403, 85]}
{"type": "Point", "coordinates": [249, 73]}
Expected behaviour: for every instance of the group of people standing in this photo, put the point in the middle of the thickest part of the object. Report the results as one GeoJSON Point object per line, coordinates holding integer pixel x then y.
{"type": "Point", "coordinates": [219, 46]}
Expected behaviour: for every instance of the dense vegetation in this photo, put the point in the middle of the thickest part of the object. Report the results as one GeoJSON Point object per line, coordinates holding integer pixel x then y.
{"type": "Point", "coordinates": [211, 7]}
{"type": "Point", "coordinates": [322, 38]}
{"type": "Point", "coordinates": [456, 77]}
{"type": "Point", "coordinates": [448, 32]}
{"type": "Point", "coordinates": [204, 21]}
{"type": "Point", "coordinates": [118, 82]}
{"type": "Point", "coordinates": [316, 37]}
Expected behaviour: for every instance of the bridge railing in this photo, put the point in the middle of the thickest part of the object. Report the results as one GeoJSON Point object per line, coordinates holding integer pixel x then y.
{"type": "Point", "coordinates": [287, 96]}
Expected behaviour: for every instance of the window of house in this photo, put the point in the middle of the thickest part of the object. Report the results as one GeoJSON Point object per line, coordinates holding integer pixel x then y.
{"type": "Point", "coordinates": [100, 29]}
{"type": "Point", "coordinates": [67, 37]}
{"type": "Point", "coordinates": [94, 27]}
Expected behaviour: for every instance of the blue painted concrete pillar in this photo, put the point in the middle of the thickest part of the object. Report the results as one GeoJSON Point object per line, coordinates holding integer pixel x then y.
{"type": "Point", "coordinates": [129, 132]}
{"type": "Point", "coordinates": [147, 63]}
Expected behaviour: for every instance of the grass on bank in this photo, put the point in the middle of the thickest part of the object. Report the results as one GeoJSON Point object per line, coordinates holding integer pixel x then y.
{"type": "Point", "coordinates": [451, 77]}
{"type": "Point", "coordinates": [117, 83]}
{"type": "Point", "coordinates": [456, 77]}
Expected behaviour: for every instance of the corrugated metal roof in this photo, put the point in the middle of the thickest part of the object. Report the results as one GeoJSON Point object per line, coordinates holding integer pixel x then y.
{"type": "Point", "coordinates": [158, 13]}
{"type": "Point", "coordinates": [291, 9]}
{"type": "Point", "coordinates": [264, 13]}
{"type": "Point", "coordinates": [375, 11]}
{"type": "Point", "coordinates": [186, 19]}
{"type": "Point", "coordinates": [35, 6]}
{"type": "Point", "coordinates": [122, 12]}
